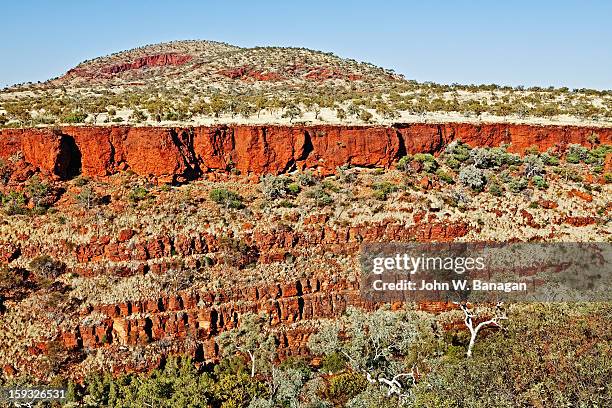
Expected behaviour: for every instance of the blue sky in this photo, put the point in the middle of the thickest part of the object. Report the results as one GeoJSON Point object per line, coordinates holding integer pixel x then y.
{"type": "Point", "coordinates": [560, 43]}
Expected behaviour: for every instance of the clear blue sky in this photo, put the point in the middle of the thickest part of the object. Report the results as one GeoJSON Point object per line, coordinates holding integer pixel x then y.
{"type": "Point", "coordinates": [561, 43]}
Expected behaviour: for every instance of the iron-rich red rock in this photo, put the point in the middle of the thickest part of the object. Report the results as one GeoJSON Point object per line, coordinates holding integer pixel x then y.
{"type": "Point", "coordinates": [175, 154]}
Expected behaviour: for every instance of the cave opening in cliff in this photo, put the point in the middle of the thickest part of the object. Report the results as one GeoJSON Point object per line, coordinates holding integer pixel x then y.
{"type": "Point", "coordinates": [70, 158]}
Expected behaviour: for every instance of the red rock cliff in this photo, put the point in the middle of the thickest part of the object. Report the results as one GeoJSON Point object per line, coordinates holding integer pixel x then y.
{"type": "Point", "coordinates": [176, 154]}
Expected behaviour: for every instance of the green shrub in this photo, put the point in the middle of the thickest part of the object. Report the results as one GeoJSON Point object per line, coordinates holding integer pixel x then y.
{"type": "Point", "coordinates": [14, 203]}
{"type": "Point", "coordinates": [473, 177]}
{"type": "Point", "coordinates": [74, 117]}
{"type": "Point", "coordinates": [172, 116]}
{"type": "Point", "coordinates": [458, 151]}
{"type": "Point", "coordinates": [293, 188]}
{"type": "Point", "coordinates": [568, 173]}
{"type": "Point", "coordinates": [534, 166]}
{"type": "Point", "coordinates": [39, 194]}
{"type": "Point", "coordinates": [423, 157]}
{"type": "Point", "coordinates": [540, 182]}
{"type": "Point", "coordinates": [549, 160]}
{"type": "Point", "coordinates": [320, 196]}
{"type": "Point", "coordinates": [138, 194]}
{"type": "Point", "coordinates": [518, 184]}
{"type": "Point", "coordinates": [344, 175]}
{"type": "Point", "coordinates": [292, 112]}
{"type": "Point", "coordinates": [139, 116]}
{"type": "Point", "coordinates": [286, 204]}
{"type": "Point", "coordinates": [306, 179]}
{"type": "Point", "coordinates": [511, 159]}
{"type": "Point", "coordinates": [226, 198]}
{"type": "Point", "coordinates": [330, 186]}
{"type": "Point", "coordinates": [453, 163]}
{"type": "Point", "coordinates": [576, 153]}
{"type": "Point", "coordinates": [382, 190]}
{"type": "Point", "coordinates": [485, 158]}
{"type": "Point", "coordinates": [430, 165]}
{"type": "Point", "coordinates": [496, 189]}
{"type": "Point", "coordinates": [345, 386]}
{"type": "Point", "coordinates": [597, 156]}
{"type": "Point", "coordinates": [87, 197]}
{"type": "Point", "coordinates": [444, 176]}
{"type": "Point", "coordinates": [366, 116]}
{"type": "Point", "coordinates": [295, 363]}
{"type": "Point", "coordinates": [608, 178]}
{"type": "Point", "coordinates": [403, 164]}
{"type": "Point", "coordinates": [274, 187]}
{"type": "Point", "coordinates": [426, 160]}
{"type": "Point", "coordinates": [333, 363]}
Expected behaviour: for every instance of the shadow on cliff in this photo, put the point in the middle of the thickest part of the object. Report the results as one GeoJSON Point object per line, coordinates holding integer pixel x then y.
{"type": "Point", "coordinates": [69, 161]}
{"type": "Point", "coordinates": [183, 140]}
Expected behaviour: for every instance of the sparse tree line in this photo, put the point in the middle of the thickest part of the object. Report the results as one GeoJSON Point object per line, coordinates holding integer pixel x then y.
{"type": "Point", "coordinates": [347, 103]}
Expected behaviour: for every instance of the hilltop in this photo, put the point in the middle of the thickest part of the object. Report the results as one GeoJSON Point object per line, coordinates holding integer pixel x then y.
{"type": "Point", "coordinates": [206, 82]}
{"type": "Point", "coordinates": [200, 63]}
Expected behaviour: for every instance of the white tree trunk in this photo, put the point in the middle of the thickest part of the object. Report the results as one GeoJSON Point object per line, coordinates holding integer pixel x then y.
{"type": "Point", "coordinates": [469, 323]}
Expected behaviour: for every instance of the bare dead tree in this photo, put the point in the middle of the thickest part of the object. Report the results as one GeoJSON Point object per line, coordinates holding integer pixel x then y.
{"type": "Point", "coordinates": [469, 323]}
{"type": "Point", "coordinates": [394, 386]}
{"type": "Point", "coordinates": [374, 345]}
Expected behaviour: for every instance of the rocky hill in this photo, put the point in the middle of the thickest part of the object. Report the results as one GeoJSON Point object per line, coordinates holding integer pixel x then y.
{"type": "Point", "coordinates": [205, 82]}
{"type": "Point", "coordinates": [209, 63]}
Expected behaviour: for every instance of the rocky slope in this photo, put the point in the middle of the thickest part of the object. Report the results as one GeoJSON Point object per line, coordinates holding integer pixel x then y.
{"type": "Point", "coordinates": [140, 269]}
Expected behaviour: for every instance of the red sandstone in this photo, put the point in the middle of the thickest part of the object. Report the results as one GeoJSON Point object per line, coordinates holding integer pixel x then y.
{"type": "Point", "coordinates": [178, 154]}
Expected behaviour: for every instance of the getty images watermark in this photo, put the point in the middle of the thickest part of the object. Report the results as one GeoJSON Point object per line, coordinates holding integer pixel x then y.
{"type": "Point", "coordinates": [487, 271]}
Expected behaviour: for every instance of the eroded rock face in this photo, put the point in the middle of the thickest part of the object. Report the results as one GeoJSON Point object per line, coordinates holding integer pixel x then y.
{"type": "Point", "coordinates": [55, 154]}
{"type": "Point", "coordinates": [175, 154]}
{"type": "Point", "coordinates": [42, 149]}
{"type": "Point", "coordinates": [247, 73]}
{"type": "Point", "coordinates": [250, 149]}
{"type": "Point", "coordinates": [205, 314]}
{"type": "Point", "coordinates": [366, 147]}
{"type": "Point", "coordinates": [157, 60]}
{"type": "Point", "coordinates": [431, 138]}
